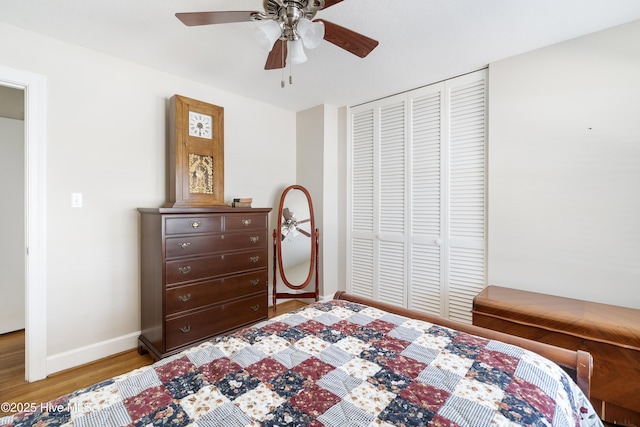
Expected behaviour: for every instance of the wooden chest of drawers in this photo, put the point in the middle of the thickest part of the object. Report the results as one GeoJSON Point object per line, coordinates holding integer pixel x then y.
{"type": "Point", "coordinates": [204, 271]}
{"type": "Point", "coordinates": [610, 333]}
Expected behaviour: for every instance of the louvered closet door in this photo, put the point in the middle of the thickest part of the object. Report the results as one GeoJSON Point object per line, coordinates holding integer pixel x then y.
{"type": "Point", "coordinates": [378, 194]}
{"type": "Point", "coordinates": [466, 107]}
{"type": "Point", "coordinates": [426, 267]}
{"type": "Point", "coordinates": [417, 193]}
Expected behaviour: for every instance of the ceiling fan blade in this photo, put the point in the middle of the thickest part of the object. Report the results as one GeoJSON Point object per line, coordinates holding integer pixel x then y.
{"type": "Point", "coordinates": [306, 233]}
{"type": "Point", "coordinates": [329, 3]}
{"type": "Point", "coordinates": [286, 213]}
{"type": "Point", "coordinates": [206, 18]}
{"type": "Point", "coordinates": [304, 220]}
{"type": "Point", "coordinates": [347, 39]}
{"type": "Point", "coordinates": [278, 56]}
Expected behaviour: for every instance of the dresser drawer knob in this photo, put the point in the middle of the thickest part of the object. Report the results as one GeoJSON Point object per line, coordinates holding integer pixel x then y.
{"type": "Point", "coordinates": [185, 329]}
{"type": "Point", "coordinates": [184, 270]}
{"type": "Point", "coordinates": [254, 282]}
{"type": "Point", "coordinates": [255, 307]}
{"type": "Point", "coordinates": [246, 221]}
{"type": "Point", "coordinates": [254, 239]}
{"type": "Point", "coordinates": [254, 258]}
{"type": "Point", "coordinates": [184, 298]}
{"type": "Point", "coordinates": [194, 224]}
{"type": "Point", "coordinates": [184, 245]}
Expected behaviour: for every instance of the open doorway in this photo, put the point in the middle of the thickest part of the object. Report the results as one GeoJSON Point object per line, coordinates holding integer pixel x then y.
{"type": "Point", "coordinates": [33, 249]}
{"type": "Point", "coordinates": [12, 226]}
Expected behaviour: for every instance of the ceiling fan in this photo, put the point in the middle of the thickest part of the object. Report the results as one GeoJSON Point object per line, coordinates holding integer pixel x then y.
{"type": "Point", "coordinates": [289, 22]}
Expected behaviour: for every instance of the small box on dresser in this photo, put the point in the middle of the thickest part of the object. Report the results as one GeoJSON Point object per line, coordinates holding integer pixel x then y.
{"type": "Point", "coordinates": [610, 333]}
{"type": "Point", "coordinates": [204, 271]}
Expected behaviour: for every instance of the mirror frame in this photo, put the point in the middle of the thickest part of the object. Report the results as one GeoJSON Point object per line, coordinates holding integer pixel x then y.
{"type": "Point", "coordinates": [312, 240]}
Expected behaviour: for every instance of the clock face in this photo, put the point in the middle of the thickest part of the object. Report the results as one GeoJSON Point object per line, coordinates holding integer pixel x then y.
{"type": "Point", "coordinates": [200, 125]}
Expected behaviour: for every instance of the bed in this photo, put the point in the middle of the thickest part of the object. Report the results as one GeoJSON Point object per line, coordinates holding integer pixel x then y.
{"type": "Point", "coordinates": [345, 362]}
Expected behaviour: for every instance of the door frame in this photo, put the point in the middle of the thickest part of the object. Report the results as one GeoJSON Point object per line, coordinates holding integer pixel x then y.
{"type": "Point", "coordinates": [35, 133]}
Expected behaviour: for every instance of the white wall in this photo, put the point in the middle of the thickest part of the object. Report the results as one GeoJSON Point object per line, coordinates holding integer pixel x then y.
{"type": "Point", "coordinates": [107, 132]}
{"type": "Point", "coordinates": [12, 314]}
{"type": "Point", "coordinates": [564, 169]}
{"type": "Point", "coordinates": [318, 146]}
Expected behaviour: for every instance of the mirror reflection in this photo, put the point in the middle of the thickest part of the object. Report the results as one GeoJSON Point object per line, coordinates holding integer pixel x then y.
{"type": "Point", "coordinates": [296, 242]}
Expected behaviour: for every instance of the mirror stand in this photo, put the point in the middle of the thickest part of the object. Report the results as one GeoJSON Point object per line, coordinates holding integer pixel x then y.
{"type": "Point", "coordinates": [295, 246]}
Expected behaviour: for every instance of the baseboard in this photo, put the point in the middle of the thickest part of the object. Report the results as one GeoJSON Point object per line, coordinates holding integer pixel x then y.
{"type": "Point", "coordinates": [91, 353]}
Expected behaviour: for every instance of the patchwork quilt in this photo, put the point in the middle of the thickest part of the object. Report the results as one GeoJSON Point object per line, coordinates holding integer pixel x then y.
{"type": "Point", "coordinates": [332, 364]}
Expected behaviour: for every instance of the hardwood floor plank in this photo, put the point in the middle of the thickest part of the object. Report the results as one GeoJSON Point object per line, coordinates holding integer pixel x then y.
{"type": "Point", "coordinates": [13, 387]}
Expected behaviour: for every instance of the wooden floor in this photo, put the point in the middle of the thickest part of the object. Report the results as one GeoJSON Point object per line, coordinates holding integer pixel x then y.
{"type": "Point", "coordinates": [13, 387]}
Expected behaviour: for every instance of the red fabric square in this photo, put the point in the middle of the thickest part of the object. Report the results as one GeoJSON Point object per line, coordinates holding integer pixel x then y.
{"type": "Point", "coordinates": [177, 368]}
{"type": "Point", "coordinates": [390, 343]}
{"type": "Point", "coordinates": [533, 395]}
{"type": "Point", "coordinates": [498, 360]}
{"type": "Point", "coordinates": [311, 326]}
{"type": "Point", "coordinates": [346, 327]}
{"type": "Point", "coordinates": [406, 366]}
{"type": "Point", "coordinates": [275, 327]}
{"type": "Point", "coordinates": [471, 340]}
{"type": "Point", "coordinates": [266, 369]}
{"type": "Point", "coordinates": [147, 401]}
{"type": "Point", "coordinates": [425, 396]}
{"type": "Point", "coordinates": [314, 400]}
{"type": "Point", "coordinates": [381, 325]}
{"type": "Point", "coordinates": [439, 421]}
{"type": "Point", "coordinates": [313, 368]}
{"type": "Point", "coordinates": [217, 369]}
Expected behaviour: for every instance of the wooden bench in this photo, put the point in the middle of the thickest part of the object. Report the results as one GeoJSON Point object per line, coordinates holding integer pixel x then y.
{"type": "Point", "coordinates": [610, 333]}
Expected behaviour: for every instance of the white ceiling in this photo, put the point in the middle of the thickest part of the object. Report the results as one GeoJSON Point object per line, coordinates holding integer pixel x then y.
{"type": "Point", "coordinates": [421, 41]}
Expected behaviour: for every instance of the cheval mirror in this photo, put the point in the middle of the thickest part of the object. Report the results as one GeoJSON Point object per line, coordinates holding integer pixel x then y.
{"type": "Point", "coordinates": [295, 245]}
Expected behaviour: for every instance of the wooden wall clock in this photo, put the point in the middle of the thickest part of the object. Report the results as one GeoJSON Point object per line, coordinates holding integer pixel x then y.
{"type": "Point", "coordinates": [196, 153]}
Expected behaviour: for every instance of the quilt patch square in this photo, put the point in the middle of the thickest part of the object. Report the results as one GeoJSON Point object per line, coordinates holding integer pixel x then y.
{"type": "Point", "coordinates": [288, 383]}
{"type": "Point", "coordinates": [313, 368]}
{"type": "Point", "coordinates": [314, 400]}
{"type": "Point", "coordinates": [203, 401]}
{"type": "Point", "coordinates": [147, 402]}
{"type": "Point", "coordinates": [111, 416]}
{"type": "Point", "coordinates": [425, 396]}
{"type": "Point", "coordinates": [258, 402]}
{"type": "Point", "coordinates": [266, 369]}
{"type": "Point", "coordinates": [339, 382]}
{"type": "Point", "coordinates": [377, 355]}
{"type": "Point", "coordinates": [368, 398]}
{"type": "Point", "coordinates": [237, 383]}
{"type": "Point", "coordinates": [406, 366]}
{"type": "Point", "coordinates": [225, 415]}
{"type": "Point", "coordinates": [185, 385]}
{"type": "Point", "coordinates": [217, 369]}
{"type": "Point", "coordinates": [177, 368]}
{"type": "Point", "coordinates": [403, 413]}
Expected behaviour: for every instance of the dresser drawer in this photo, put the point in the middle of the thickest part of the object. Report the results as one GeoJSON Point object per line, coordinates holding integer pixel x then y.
{"type": "Point", "coordinates": [198, 245]}
{"type": "Point", "coordinates": [196, 326]}
{"type": "Point", "coordinates": [245, 222]}
{"type": "Point", "coordinates": [182, 298]}
{"type": "Point", "coordinates": [187, 270]}
{"type": "Point", "coordinates": [193, 224]}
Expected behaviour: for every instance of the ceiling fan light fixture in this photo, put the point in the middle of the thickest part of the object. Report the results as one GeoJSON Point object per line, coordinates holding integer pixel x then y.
{"type": "Point", "coordinates": [297, 52]}
{"type": "Point", "coordinates": [268, 34]}
{"type": "Point", "coordinates": [312, 33]}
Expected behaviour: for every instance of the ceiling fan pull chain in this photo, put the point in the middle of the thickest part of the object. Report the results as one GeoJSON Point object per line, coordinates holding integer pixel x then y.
{"type": "Point", "coordinates": [282, 68]}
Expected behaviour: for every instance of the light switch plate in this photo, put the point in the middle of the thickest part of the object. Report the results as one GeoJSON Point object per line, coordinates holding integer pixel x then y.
{"type": "Point", "coordinates": [76, 200]}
